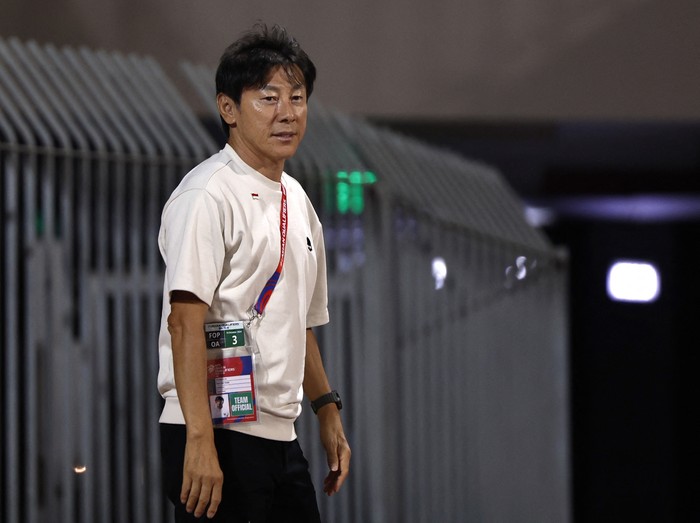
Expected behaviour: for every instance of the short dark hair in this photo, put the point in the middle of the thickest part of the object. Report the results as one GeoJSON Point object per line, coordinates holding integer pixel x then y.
{"type": "Point", "coordinates": [248, 62]}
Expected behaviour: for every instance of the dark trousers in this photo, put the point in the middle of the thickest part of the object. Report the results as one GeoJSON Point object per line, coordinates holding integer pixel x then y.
{"type": "Point", "coordinates": [265, 481]}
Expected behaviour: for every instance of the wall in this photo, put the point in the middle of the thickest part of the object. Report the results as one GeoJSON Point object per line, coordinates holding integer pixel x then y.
{"type": "Point", "coordinates": [495, 59]}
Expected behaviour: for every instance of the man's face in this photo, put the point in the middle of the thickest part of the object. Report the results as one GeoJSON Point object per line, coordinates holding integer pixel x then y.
{"type": "Point", "coordinates": [270, 122]}
{"type": "Point", "coordinates": [219, 403]}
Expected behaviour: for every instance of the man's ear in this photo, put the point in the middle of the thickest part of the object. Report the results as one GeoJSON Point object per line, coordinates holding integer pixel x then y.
{"type": "Point", "coordinates": [227, 108]}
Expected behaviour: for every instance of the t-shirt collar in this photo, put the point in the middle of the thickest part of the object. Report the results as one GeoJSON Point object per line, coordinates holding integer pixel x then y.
{"type": "Point", "coordinates": [247, 169]}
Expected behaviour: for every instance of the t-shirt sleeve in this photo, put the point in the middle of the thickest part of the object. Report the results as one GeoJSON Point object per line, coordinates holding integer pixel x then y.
{"type": "Point", "coordinates": [318, 310]}
{"type": "Point", "coordinates": [192, 244]}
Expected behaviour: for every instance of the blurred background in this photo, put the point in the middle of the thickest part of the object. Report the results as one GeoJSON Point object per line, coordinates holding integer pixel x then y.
{"type": "Point", "coordinates": [480, 167]}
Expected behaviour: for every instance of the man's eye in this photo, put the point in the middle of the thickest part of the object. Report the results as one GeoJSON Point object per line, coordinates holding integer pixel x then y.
{"type": "Point", "coordinates": [270, 98]}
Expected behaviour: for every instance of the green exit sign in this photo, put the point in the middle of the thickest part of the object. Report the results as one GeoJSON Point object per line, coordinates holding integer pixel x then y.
{"type": "Point", "coordinates": [349, 190]}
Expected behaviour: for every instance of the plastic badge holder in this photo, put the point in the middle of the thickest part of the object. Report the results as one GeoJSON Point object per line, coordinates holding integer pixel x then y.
{"type": "Point", "coordinates": [231, 373]}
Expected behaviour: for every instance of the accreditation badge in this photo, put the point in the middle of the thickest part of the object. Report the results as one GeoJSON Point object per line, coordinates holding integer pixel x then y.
{"type": "Point", "coordinates": [231, 373]}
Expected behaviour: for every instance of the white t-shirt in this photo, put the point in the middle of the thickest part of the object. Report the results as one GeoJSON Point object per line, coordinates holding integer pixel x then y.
{"type": "Point", "coordinates": [220, 240]}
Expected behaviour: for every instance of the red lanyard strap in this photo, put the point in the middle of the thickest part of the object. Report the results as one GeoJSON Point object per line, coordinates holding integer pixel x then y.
{"type": "Point", "coordinates": [272, 282]}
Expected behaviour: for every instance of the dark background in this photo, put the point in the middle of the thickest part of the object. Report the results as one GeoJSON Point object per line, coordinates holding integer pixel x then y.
{"type": "Point", "coordinates": [615, 190]}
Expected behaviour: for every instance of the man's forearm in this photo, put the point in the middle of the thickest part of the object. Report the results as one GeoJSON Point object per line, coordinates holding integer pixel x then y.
{"type": "Point", "coordinates": [315, 380]}
{"type": "Point", "coordinates": [186, 325]}
{"type": "Point", "coordinates": [189, 361]}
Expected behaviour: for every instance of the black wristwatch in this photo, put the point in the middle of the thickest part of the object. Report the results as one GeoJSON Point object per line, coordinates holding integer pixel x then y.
{"type": "Point", "coordinates": [331, 397]}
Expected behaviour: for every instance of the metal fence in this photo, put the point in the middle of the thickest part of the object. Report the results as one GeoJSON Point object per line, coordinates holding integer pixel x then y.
{"type": "Point", "coordinates": [457, 386]}
{"type": "Point", "coordinates": [447, 337]}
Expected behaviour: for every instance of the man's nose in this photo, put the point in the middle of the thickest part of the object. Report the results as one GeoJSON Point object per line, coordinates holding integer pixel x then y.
{"type": "Point", "coordinates": [286, 110]}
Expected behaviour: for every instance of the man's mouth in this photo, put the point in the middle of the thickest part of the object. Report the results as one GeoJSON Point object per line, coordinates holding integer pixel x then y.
{"type": "Point", "coordinates": [286, 138]}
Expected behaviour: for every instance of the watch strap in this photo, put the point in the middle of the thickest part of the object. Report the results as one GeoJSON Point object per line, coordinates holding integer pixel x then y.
{"type": "Point", "coordinates": [331, 397]}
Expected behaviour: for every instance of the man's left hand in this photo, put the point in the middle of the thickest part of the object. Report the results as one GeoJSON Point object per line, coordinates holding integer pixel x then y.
{"type": "Point", "coordinates": [337, 448]}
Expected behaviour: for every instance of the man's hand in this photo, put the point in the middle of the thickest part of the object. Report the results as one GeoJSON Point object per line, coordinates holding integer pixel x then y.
{"type": "Point", "coordinates": [337, 448]}
{"type": "Point", "coordinates": [202, 478]}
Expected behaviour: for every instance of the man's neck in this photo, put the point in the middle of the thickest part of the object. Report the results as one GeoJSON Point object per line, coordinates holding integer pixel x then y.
{"type": "Point", "coordinates": [271, 170]}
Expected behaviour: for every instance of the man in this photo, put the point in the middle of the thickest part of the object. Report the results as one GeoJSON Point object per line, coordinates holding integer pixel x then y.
{"type": "Point", "coordinates": [242, 243]}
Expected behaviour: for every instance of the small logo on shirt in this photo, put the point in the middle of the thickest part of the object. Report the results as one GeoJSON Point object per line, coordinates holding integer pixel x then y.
{"type": "Point", "coordinates": [255, 196]}
{"type": "Point", "coordinates": [308, 244]}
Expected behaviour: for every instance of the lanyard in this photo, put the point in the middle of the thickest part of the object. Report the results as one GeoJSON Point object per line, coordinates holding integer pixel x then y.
{"type": "Point", "coordinates": [264, 297]}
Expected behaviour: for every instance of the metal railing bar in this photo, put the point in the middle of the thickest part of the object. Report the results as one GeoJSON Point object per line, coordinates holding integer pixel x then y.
{"type": "Point", "coordinates": [11, 319]}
